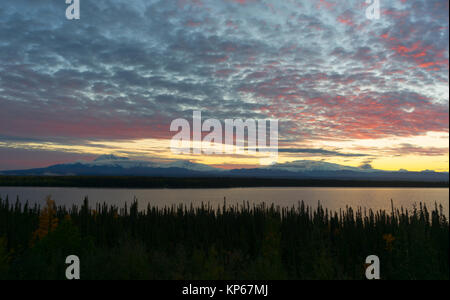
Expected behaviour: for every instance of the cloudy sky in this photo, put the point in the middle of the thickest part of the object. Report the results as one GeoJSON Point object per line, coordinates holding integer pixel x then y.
{"type": "Point", "coordinates": [345, 89]}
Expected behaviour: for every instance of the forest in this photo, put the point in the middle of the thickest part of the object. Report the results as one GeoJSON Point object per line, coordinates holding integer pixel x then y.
{"type": "Point", "coordinates": [226, 242]}
{"type": "Point", "coordinates": [199, 182]}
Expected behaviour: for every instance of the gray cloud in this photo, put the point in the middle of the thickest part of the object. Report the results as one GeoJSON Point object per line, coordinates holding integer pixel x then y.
{"type": "Point", "coordinates": [321, 152]}
{"type": "Point", "coordinates": [126, 69]}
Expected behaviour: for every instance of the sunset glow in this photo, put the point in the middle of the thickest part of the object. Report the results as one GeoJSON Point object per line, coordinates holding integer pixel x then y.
{"type": "Point", "coordinates": [345, 89]}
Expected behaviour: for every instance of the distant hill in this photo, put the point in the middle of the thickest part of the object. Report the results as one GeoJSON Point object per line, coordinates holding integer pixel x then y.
{"type": "Point", "coordinates": [110, 165]}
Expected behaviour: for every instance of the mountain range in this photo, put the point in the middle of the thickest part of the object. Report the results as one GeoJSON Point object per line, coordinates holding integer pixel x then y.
{"type": "Point", "coordinates": [110, 165]}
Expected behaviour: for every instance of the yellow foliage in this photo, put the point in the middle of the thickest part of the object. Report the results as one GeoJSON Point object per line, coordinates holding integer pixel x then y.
{"type": "Point", "coordinates": [48, 222]}
{"type": "Point", "coordinates": [389, 239]}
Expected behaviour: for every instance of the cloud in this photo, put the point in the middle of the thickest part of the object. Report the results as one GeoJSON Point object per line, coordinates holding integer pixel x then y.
{"type": "Point", "coordinates": [409, 149]}
{"type": "Point", "coordinates": [126, 69]}
{"type": "Point", "coordinates": [366, 166]}
{"type": "Point", "coordinates": [320, 152]}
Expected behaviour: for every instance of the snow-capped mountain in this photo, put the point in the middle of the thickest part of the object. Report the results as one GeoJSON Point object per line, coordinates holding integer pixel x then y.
{"type": "Point", "coordinates": [185, 164]}
{"type": "Point", "coordinates": [312, 166]}
{"type": "Point", "coordinates": [124, 162]}
{"type": "Point", "coordinates": [308, 169]}
{"type": "Point", "coordinates": [116, 165]}
{"type": "Point", "coordinates": [110, 157]}
{"type": "Point", "coordinates": [117, 161]}
{"type": "Point", "coordinates": [110, 165]}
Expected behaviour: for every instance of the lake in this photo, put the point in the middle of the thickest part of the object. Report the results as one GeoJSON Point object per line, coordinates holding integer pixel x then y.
{"type": "Point", "coordinates": [331, 198]}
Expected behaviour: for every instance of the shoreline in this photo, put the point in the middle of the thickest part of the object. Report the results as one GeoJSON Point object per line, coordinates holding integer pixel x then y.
{"type": "Point", "coordinates": [138, 182]}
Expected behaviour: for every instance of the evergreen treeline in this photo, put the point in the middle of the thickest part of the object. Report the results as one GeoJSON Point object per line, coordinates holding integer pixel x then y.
{"type": "Point", "coordinates": [245, 242]}
{"type": "Point", "coordinates": [199, 182]}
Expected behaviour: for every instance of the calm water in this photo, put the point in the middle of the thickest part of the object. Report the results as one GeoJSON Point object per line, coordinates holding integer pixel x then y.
{"type": "Point", "coordinates": [332, 198]}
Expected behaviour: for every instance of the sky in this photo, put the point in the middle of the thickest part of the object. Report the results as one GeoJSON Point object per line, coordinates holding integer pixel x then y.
{"type": "Point", "coordinates": [345, 89]}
